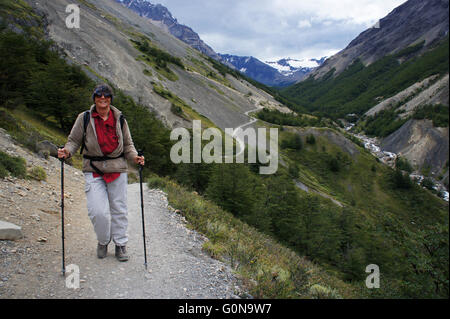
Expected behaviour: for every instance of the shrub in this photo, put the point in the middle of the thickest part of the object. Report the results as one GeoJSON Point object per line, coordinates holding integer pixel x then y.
{"type": "Point", "coordinates": [334, 165]}
{"type": "Point", "coordinates": [437, 113]}
{"type": "Point", "coordinates": [3, 172]}
{"type": "Point", "coordinates": [292, 141]}
{"type": "Point", "coordinates": [155, 182]}
{"type": "Point", "coordinates": [428, 183]}
{"type": "Point", "coordinates": [38, 173]}
{"type": "Point", "coordinates": [16, 165]}
{"type": "Point", "coordinates": [294, 171]}
{"type": "Point", "coordinates": [403, 164]}
{"type": "Point", "coordinates": [310, 139]}
{"type": "Point", "coordinates": [176, 109]}
{"type": "Point", "coordinates": [401, 180]}
{"type": "Point", "coordinates": [320, 292]}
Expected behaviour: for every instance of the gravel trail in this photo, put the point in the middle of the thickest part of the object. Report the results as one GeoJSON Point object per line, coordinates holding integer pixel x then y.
{"type": "Point", "coordinates": [31, 267]}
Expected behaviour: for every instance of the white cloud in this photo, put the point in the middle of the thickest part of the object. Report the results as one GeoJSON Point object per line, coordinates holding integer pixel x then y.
{"type": "Point", "coordinates": [272, 29]}
{"type": "Point", "coordinates": [359, 12]}
{"type": "Point", "coordinates": [304, 24]}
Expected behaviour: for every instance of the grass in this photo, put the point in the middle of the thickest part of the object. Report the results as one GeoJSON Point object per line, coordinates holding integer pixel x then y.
{"type": "Point", "coordinates": [156, 58]}
{"type": "Point", "coordinates": [28, 128]}
{"type": "Point", "coordinates": [187, 112]}
{"type": "Point", "coordinates": [205, 70]}
{"type": "Point", "coordinates": [266, 268]}
{"type": "Point", "coordinates": [37, 173]}
{"type": "Point", "coordinates": [12, 165]}
{"type": "Point", "coordinates": [19, 10]}
{"type": "Point", "coordinates": [88, 4]}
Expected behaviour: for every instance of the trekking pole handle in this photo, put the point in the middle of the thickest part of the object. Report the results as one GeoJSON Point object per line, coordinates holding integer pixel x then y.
{"type": "Point", "coordinates": [140, 153]}
{"type": "Point", "coordinates": [60, 148]}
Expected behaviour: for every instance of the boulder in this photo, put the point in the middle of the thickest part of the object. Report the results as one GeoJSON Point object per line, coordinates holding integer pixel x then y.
{"type": "Point", "coordinates": [10, 231]}
{"type": "Point", "coordinates": [47, 147]}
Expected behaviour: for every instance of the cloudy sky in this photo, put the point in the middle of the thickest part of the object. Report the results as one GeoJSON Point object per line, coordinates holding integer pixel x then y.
{"type": "Point", "coordinates": [275, 29]}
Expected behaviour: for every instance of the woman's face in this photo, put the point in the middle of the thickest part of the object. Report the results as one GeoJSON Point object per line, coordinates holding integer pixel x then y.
{"type": "Point", "coordinates": [102, 102]}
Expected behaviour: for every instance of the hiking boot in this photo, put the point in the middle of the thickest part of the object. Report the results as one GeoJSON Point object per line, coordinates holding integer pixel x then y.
{"type": "Point", "coordinates": [121, 253]}
{"type": "Point", "coordinates": [102, 250]}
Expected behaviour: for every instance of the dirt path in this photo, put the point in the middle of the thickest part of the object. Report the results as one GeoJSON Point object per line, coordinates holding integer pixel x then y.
{"type": "Point", "coordinates": [31, 267]}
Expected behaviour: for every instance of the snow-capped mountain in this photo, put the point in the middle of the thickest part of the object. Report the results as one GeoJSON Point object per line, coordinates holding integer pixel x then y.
{"type": "Point", "coordinates": [290, 66]}
{"type": "Point", "coordinates": [280, 73]}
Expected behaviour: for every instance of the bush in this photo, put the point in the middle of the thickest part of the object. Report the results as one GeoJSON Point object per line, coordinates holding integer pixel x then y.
{"type": "Point", "coordinates": [15, 165]}
{"type": "Point", "coordinates": [310, 139]}
{"type": "Point", "coordinates": [427, 183]}
{"type": "Point", "coordinates": [437, 113]}
{"type": "Point", "coordinates": [294, 171]}
{"type": "Point", "coordinates": [292, 141]}
{"type": "Point", "coordinates": [403, 164]}
{"type": "Point", "coordinates": [401, 180]}
{"type": "Point", "coordinates": [176, 109]}
{"type": "Point", "coordinates": [155, 182]}
{"type": "Point", "coordinates": [320, 292]}
{"type": "Point", "coordinates": [334, 165]}
{"type": "Point", "coordinates": [38, 173]}
{"type": "Point", "coordinates": [3, 172]}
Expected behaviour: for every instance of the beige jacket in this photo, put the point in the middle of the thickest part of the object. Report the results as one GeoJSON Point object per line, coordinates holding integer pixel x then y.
{"type": "Point", "coordinates": [92, 148]}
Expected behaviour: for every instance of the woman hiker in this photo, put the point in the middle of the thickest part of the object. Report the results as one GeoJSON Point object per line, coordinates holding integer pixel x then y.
{"type": "Point", "coordinates": [105, 138]}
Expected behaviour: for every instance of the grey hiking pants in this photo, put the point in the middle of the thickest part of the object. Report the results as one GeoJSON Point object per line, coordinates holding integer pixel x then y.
{"type": "Point", "coordinates": [107, 208]}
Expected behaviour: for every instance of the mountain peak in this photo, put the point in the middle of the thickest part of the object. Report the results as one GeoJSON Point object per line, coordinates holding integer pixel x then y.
{"type": "Point", "coordinates": [162, 15]}
{"type": "Point", "coordinates": [281, 73]}
{"type": "Point", "coordinates": [410, 23]}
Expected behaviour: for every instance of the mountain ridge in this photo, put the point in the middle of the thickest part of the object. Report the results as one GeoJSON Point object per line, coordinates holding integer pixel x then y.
{"type": "Point", "coordinates": [254, 68]}
{"type": "Point", "coordinates": [281, 73]}
{"type": "Point", "coordinates": [162, 17]}
{"type": "Point", "coordinates": [408, 24]}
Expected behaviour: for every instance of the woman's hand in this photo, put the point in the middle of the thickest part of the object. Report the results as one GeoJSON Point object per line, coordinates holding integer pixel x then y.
{"type": "Point", "coordinates": [63, 153]}
{"type": "Point", "coordinates": [140, 160]}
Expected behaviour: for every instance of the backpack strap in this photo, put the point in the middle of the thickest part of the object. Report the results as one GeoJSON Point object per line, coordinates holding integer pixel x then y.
{"type": "Point", "coordinates": [86, 118]}
{"type": "Point", "coordinates": [100, 159]}
{"type": "Point", "coordinates": [121, 120]}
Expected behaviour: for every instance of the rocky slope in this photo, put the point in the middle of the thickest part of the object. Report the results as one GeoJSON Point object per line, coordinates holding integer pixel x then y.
{"type": "Point", "coordinates": [410, 23]}
{"type": "Point", "coordinates": [162, 17]}
{"type": "Point", "coordinates": [421, 143]}
{"type": "Point", "coordinates": [424, 145]}
{"type": "Point", "coordinates": [102, 46]}
{"type": "Point", "coordinates": [429, 91]}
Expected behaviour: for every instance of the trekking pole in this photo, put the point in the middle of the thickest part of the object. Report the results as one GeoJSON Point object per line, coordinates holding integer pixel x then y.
{"type": "Point", "coordinates": [62, 214]}
{"type": "Point", "coordinates": [140, 153]}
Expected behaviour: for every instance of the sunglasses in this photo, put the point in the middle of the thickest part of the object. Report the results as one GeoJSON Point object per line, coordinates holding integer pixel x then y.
{"type": "Point", "coordinates": [100, 94]}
